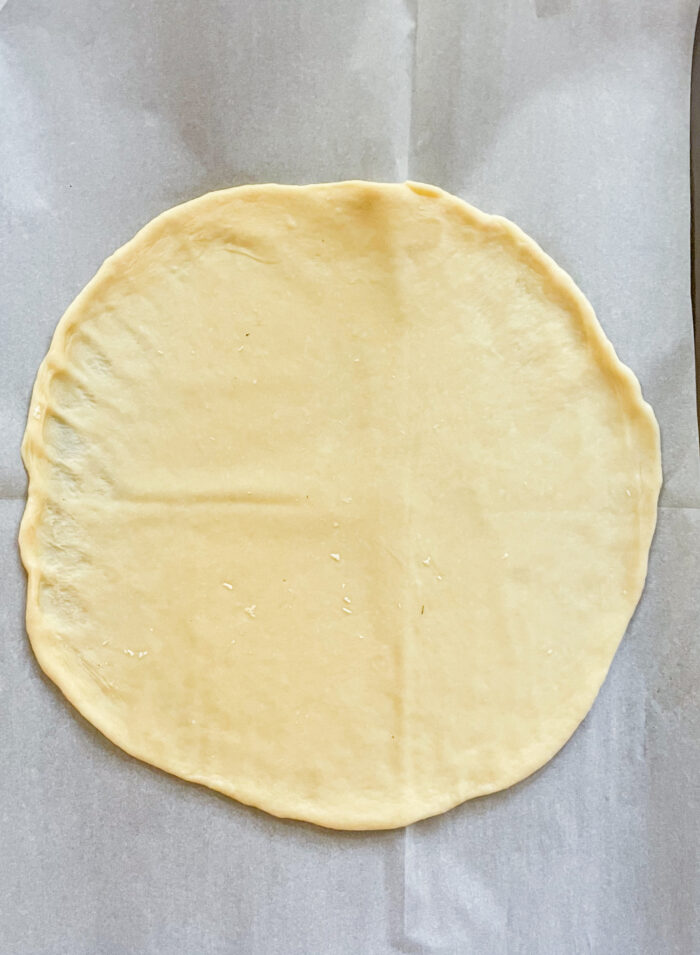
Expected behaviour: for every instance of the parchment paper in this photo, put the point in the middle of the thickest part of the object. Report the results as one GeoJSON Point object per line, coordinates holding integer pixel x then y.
{"type": "Point", "coordinates": [569, 116]}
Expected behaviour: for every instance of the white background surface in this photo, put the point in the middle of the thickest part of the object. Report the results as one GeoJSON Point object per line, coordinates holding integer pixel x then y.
{"type": "Point", "coordinates": [568, 116]}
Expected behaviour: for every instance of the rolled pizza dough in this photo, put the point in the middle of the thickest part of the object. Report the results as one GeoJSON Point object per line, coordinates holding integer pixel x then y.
{"type": "Point", "coordinates": [339, 501]}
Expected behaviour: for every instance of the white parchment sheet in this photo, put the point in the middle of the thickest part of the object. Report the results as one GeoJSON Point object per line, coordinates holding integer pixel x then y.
{"type": "Point", "coordinates": [568, 116]}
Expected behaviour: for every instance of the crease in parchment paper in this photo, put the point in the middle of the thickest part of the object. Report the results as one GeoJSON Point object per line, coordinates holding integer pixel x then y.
{"type": "Point", "coordinates": [413, 11]}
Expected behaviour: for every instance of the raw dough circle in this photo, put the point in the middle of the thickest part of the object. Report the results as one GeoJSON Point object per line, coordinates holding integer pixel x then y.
{"type": "Point", "coordinates": [340, 501]}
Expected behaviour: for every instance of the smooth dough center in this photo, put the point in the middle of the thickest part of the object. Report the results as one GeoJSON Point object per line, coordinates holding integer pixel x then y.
{"type": "Point", "coordinates": [340, 501]}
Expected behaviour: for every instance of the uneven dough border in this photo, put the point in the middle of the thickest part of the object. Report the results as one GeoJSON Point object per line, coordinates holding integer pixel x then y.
{"type": "Point", "coordinates": [627, 386]}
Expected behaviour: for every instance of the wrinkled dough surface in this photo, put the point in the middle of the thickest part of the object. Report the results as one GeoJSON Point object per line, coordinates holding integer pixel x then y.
{"type": "Point", "coordinates": [340, 501]}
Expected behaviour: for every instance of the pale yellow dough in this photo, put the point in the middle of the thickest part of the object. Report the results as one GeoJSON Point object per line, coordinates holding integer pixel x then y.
{"type": "Point", "coordinates": [340, 501]}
